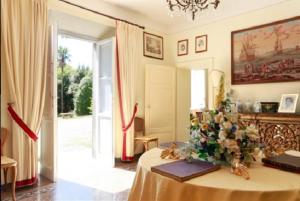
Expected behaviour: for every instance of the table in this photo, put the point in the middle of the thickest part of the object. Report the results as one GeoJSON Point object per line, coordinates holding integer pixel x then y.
{"type": "Point", "coordinates": [265, 184]}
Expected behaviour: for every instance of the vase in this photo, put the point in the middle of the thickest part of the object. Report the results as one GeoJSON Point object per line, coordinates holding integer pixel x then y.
{"type": "Point", "coordinates": [239, 106]}
{"type": "Point", "coordinates": [247, 107]}
{"type": "Point", "coordinates": [257, 107]}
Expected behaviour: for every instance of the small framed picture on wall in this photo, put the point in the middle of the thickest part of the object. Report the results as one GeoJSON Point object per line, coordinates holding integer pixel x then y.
{"type": "Point", "coordinates": [288, 103]}
{"type": "Point", "coordinates": [182, 47]}
{"type": "Point", "coordinates": [201, 43]}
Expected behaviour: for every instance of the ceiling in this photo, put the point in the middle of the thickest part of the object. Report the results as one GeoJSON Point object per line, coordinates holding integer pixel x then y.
{"type": "Point", "coordinates": [158, 11]}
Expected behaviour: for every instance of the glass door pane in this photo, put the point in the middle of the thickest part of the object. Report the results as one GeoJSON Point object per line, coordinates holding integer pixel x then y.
{"type": "Point", "coordinates": [103, 100]}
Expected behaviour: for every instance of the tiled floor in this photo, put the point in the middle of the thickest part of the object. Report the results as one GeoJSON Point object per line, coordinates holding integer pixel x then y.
{"type": "Point", "coordinates": [64, 190]}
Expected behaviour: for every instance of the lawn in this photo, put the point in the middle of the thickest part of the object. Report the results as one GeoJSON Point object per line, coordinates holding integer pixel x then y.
{"type": "Point", "coordinates": [75, 133]}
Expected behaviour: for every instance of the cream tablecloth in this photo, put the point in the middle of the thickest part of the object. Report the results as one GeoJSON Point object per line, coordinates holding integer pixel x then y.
{"type": "Point", "coordinates": [265, 184]}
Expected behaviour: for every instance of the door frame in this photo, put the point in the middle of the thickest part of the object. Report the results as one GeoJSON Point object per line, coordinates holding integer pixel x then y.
{"type": "Point", "coordinates": [202, 64]}
{"type": "Point", "coordinates": [48, 141]}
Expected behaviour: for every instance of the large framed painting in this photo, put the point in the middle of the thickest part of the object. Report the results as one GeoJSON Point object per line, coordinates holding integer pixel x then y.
{"type": "Point", "coordinates": [266, 53]}
{"type": "Point", "coordinates": [153, 46]}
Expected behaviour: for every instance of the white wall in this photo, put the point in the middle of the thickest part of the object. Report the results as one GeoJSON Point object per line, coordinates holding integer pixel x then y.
{"type": "Point", "coordinates": [219, 50]}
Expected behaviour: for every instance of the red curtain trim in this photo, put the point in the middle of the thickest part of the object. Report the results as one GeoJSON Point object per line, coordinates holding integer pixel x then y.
{"type": "Point", "coordinates": [132, 118]}
{"type": "Point", "coordinates": [27, 182]}
{"type": "Point", "coordinates": [128, 158]}
{"type": "Point", "coordinates": [124, 155]}
{"type": "Point", "coordinates": [21, 123]}
{"type": "Point", "coordinates": [120, 99]}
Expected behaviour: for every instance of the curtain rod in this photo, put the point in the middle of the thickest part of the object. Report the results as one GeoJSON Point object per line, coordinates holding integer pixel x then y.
{"type": "Point", "coordinates": [105, 15]}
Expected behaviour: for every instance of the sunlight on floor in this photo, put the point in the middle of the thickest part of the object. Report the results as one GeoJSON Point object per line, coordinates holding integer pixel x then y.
{"type": "Point", "coordinates": [90, 173]}
{"type": "Point", "coordinates": [75, 162]}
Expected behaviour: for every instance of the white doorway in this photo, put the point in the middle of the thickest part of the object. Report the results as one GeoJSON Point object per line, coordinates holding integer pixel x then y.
{"type": "Point", "coordinates": [198, 89]}
{"type": "Point", "coordinates": [192, 97]}
{"type": "Point", "coordinates": [85, 129]}
{"type": "Point", "coordinates": [74, 91]}
{"type": "Point", "coordinates": [70, 139]}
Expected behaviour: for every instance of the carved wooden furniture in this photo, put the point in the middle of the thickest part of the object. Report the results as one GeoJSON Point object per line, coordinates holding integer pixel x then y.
{"type": "Point", "coordinates": [277, 130]}
{"type": "Point", "coordinates": [139, 127]}
{"type": "Point", "coordinates": [7, 163]}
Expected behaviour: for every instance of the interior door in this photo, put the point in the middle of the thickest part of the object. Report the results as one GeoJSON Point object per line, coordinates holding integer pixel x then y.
{"type": "Point", "coordinates": [48, 146]}
{"type": "Point", "coordinates": [103, 76]}
{"type": "Point", "coordinates": [160, 102]}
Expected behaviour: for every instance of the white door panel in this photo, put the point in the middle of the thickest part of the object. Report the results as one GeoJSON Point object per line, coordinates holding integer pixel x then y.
{"type": "Point", "coordinates": [103, 75]}
{"type": "Point", "coordinates": [160, 102]}
{"type": "Point", "coordinates": [183, 103]}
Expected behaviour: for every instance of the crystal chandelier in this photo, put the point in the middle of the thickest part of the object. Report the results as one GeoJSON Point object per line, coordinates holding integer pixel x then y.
{"type": "Point", "coordinates": [192, 6]}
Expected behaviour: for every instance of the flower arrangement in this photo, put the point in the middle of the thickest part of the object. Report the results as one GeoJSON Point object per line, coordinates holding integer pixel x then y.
{"type": "Point", "coordinates": [218, 138]}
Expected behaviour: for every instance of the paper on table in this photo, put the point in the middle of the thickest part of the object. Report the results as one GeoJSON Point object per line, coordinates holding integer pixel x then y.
{"type": "Point", "coordinates": [293, 153]}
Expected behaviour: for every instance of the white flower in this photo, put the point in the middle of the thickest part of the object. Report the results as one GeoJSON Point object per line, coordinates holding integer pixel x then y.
{"type": "Point", "coordinates": [231, 145]}
{"type": "Point", "coordinates": [195, 134]}
{"type": "Point", "coordinates": [239, 135]}
{"type": "Point", "coordinates": [222, 135]}
{"type": "Point", "coordinates": [202, 140]}
{"type": "Point", "coordinates": [219, 118]}
{"type": "Point", "coordinates": [227, 125]}
{"type": "Point", "coordinates": [221, 143]}
{"type": "Point", "coordinates": [206, 117]}
{"type": "Point", "coordinates": [252, 133]}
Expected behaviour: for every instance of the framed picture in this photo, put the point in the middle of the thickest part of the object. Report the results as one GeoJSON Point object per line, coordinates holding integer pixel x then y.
{"type": "Point", "coordinates": [153, 46]}
{"type": "Point", "coordinates": [201, 43]}
{"type": "Point", "coordinates": [288, 103]}
{"type": "Point", "coordinates": [182, 47]}
{"type": "Point", "coordinates": [266, 53]}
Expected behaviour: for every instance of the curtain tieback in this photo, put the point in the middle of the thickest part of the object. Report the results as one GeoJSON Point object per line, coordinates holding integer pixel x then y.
{"type": "Point", "coordinates": [132, 118]}
{"type": "Point", "coordinates": [21, 123]}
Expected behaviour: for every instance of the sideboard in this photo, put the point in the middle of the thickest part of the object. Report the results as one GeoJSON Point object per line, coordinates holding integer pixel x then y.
{"type": "Point", "coordinates": [275, 129]}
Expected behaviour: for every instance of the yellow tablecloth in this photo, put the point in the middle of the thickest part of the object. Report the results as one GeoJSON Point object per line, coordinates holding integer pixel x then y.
{"type": "Point", "coordinates": [265, 184]}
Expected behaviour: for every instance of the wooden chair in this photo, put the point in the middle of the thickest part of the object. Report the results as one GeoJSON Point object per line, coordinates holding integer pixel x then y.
{"type": "Point", "coordinates": [139, 127]}
{"type": "Point", "coordinates": [7, 163]}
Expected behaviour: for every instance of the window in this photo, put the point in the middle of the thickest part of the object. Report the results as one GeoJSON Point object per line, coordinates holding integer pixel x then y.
{"type": "Point", "coordinates": [198, 89]}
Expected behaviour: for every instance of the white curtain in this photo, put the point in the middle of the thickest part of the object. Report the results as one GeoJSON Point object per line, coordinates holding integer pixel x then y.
{"type": "Point", "coordinates": [129, 49]}
{"type": "Point", "coordinates": [24, 54]}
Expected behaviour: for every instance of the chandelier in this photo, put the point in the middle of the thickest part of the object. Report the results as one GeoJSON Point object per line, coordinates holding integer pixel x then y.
{"type": "Point", "coordinates": [192, 6]}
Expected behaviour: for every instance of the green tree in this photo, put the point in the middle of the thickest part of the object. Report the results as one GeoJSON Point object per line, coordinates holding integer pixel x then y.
{"type": "Point", "coordinates": [68, 95]}
{"type": "Point", "coordinates": [63, 58]}
{"type": "Point", "coordinates": [83, 97]}
{"type": "Point", "coordinates": [80, 73]}
{"type": "Point", "coordinates": [77, 76]}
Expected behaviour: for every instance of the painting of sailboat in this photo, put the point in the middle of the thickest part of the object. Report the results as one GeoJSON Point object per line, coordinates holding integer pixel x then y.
{"type": "Point", "coordinates": [266, 53]}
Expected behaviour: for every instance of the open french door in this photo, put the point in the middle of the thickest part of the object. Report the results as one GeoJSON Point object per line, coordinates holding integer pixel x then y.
{"type": "Point", "coordinates": [103, 90]}
{"type": "Point", "coordinates": [48, 152]}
